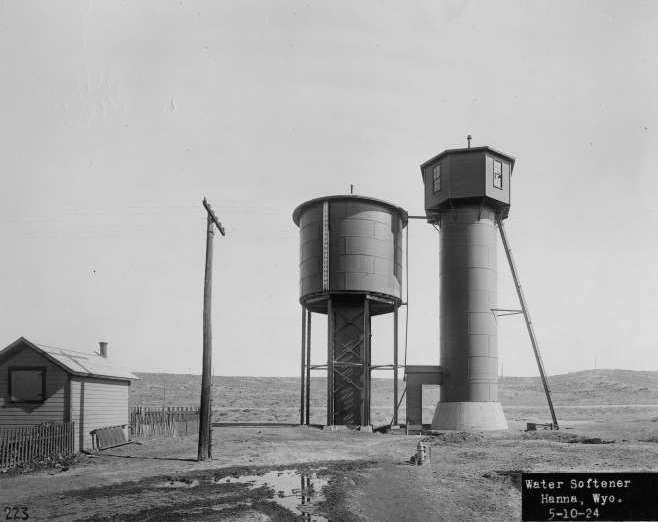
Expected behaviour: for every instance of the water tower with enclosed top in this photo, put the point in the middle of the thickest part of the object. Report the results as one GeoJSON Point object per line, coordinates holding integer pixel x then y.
{"type": "Point", "coordinates": [467, 194]}
{"type": "Point", "coordinates": [350, 263]}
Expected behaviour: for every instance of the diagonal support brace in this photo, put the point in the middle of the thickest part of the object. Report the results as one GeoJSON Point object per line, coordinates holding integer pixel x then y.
{"type": "Point", "coordinates": [526, 316]}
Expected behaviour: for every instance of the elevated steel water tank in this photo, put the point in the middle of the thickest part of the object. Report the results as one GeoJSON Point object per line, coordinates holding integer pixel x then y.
{"type": "Point", "coordinates": [350, 244]}
{"type": "Point", "coordinates": [350, 269]}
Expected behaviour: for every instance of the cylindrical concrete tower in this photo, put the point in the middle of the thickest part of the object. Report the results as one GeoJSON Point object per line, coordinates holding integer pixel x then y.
{"type": "Point", "coordinates": [350, 269]}
{"type": "Point", "coordinates": [465, 190]}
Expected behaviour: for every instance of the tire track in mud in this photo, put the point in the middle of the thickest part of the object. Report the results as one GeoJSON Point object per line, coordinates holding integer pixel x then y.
{"type": "Point", "coordinates": [234, 493]}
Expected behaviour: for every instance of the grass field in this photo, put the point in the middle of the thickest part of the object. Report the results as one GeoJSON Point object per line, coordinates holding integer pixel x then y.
{"type": "Point", "coordinates": [276, 399]}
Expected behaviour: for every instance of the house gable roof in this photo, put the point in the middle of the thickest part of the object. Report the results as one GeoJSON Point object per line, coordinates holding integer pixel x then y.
{"type": "Point", "coordinates": [73, 362]}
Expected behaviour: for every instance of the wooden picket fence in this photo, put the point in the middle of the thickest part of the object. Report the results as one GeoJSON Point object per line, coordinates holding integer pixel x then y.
{"type": "Point", "coordinates": [148, 423]}
{"type": "Point", "coordinates": [27, 444]}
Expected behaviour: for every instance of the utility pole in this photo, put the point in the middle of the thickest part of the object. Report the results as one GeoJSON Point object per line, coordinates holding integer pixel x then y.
{"type": "Point", "coordinates": [205, 426]}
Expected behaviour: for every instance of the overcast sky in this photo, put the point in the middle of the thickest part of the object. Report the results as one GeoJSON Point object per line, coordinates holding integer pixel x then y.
{"type": "Point", "coordinates": [117, 118]}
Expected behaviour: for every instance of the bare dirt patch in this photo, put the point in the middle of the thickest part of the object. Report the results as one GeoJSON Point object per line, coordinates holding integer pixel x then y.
{"type": "Point", "coordinates": [359, 476]}
{"type": "Point", "coordinates": [364, 476]}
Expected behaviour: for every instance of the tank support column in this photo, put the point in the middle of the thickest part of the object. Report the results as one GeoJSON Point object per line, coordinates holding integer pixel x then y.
{"type": "Point", "coordinates": [469, 337]}
{"type": "Point", "coordinates": [308, 366]}
{"type": "Point", "coordinates": [365, 366]}
{"type": "Point", "coordinates": [302, 385]}
{"type": "Point", "coordinates": [330, 363]}
{"type": "Point", "coordinates": [395, 365]}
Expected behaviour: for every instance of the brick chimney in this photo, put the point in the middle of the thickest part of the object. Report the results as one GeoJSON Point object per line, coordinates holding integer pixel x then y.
{"type": "Point", "coordinates": [103, 349]}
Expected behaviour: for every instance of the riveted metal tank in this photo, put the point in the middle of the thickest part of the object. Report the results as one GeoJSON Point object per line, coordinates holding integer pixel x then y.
{"type": "Point", "coordinates": [362, 239]}
{"type": "Point", "coordinates": [350, 267]}
{"type": "Point", "coordinates": [469, 347]}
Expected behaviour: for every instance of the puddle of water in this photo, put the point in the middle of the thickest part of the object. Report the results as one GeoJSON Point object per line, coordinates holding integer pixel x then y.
{"type": "Point", "coordinates": [297, 491]}
{"type": "Point", "coordinates": [178, 484]}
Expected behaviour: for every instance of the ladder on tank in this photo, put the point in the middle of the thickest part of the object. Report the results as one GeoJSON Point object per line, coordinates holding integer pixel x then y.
{"type": "Point", "coordinates": [526, 317]}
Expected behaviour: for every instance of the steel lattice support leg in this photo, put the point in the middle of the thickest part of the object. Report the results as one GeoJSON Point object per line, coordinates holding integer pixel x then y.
{"type": "Point", "coordinates": [348, 400]}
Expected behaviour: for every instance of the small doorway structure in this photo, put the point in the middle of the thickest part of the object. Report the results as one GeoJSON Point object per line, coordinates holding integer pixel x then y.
{"type": "Point", "coordinates": [416, 376]}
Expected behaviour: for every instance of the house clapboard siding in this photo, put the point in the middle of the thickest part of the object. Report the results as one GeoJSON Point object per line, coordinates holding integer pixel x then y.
{"type": "Point", "coordinates": [97, 403]}
{"type": "Point", "coordinates": [80, 387]}
{"type": "Point", "coordinates": [53, 409]}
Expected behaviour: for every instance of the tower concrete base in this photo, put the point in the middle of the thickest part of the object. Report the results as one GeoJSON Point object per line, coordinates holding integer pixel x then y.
{"type": "Point", "coordinates": [469, 416]}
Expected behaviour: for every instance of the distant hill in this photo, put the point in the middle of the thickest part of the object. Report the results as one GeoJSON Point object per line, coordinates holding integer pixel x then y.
{"type": "Point", "coordinates": [584, 387]}
{"type": "Point", "coordinates": [282, 393]}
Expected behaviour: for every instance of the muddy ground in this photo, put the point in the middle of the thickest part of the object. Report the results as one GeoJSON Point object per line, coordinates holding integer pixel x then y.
{"type": "Point", "coordinates": [292, 473]}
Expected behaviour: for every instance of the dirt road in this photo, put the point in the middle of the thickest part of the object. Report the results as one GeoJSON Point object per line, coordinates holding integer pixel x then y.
{"type": "Point", "coordinates": [310, 474]}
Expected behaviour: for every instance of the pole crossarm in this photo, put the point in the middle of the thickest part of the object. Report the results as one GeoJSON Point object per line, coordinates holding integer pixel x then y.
{"type": "Point", "coordinates": [213, 217]}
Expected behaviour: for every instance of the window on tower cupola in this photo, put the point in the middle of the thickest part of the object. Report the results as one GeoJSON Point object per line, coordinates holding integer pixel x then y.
{"type": "Point", "coordinates": [436, 178]}
{"type": "Point", "coordinates": [498, 174]}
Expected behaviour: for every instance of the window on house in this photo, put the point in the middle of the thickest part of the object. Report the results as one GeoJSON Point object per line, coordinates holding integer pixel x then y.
{"type": "Point", "coordinates": [436, 178]}
{"type": "Point", "coordinates": [27, 384]}
{"type": "Point", "coordinates": [498, 174]}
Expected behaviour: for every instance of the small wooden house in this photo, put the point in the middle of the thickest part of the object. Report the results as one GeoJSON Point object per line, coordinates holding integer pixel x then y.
{"type": "Point", "coordinates": [42, 384]}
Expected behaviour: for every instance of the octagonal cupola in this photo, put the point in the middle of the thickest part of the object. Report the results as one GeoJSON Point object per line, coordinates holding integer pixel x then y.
{"type": "Point", "coordinates": [477, 174]}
